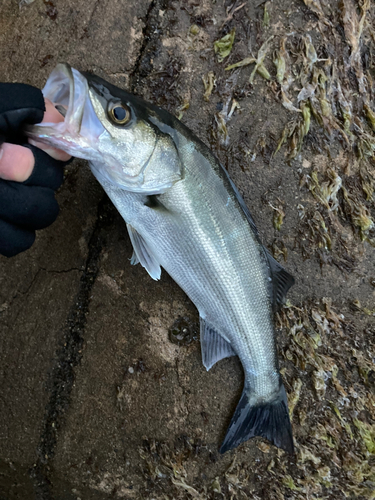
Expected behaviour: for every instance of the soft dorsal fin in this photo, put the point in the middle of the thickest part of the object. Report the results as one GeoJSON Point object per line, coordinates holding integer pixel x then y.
{"type": "Point", "coordinates": [142, 254]}
{"type": "Point", "coordinates": [214, 347]}
{"type": "Point", "coordinates": [281, 281]}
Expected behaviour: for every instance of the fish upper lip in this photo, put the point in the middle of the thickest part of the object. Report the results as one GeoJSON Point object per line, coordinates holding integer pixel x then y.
{"type": "Point", "coordinates": [67, 87]}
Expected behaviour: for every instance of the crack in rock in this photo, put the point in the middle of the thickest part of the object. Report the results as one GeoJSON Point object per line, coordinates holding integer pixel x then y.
{"type": "Point", "coordinates": [69, 356]}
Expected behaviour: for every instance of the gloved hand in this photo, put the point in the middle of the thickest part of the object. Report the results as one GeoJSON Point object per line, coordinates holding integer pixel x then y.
{"type": "Point", "coordinates": [28, 176]}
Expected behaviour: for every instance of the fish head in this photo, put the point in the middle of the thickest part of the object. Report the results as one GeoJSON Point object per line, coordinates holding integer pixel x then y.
{"type": "Point", "coordinates": [126, 140]}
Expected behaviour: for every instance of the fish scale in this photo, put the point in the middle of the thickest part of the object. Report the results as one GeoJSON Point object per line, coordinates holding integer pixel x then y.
{"type": "Point", "coordinates": [185, 215]}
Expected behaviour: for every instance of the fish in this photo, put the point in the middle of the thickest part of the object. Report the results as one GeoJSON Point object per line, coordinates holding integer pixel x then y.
{"type": "Point", "coordinates": [185, 215]}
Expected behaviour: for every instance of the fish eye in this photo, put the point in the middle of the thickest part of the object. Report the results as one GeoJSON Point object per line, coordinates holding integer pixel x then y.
{"type": "Point", "coordinates": [119, 113]}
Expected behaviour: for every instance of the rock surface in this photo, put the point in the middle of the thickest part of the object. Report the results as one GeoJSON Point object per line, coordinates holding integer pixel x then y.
{"type": "Point", "coordinates": [98, 400]}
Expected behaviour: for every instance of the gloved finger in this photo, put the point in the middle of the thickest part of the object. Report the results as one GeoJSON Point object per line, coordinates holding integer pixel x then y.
{"type": "Point", "coordinates": [13, 239]}
{"type": "Point", "coordinates": [47, 172]}
{"type": "Point", "coordinates": [30, 165]}
{"type": "Point", "coordinates": [16, 162]}
{"type": "Point", "coordinates": [30, 207]}
{"type": "Point", "coordinates": [19, 103]}
{"type": "Point", "coordinates": [51, 115]}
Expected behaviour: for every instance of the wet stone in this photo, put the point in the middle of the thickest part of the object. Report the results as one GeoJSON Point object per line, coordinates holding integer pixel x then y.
{"type": "Point", "coordinates": [183, 331]}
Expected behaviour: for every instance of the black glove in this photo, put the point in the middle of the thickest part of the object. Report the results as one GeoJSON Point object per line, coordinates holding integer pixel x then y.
{"type": "Point", "coordinates": [30, 205]}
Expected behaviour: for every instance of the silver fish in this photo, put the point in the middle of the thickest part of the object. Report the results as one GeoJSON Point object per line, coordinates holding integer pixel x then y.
{"type": "Point", "coordinates": [184, 214]}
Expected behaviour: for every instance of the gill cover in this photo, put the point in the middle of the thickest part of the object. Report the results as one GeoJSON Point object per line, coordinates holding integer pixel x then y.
{"type": "Point", "coordinates": [139, 156]}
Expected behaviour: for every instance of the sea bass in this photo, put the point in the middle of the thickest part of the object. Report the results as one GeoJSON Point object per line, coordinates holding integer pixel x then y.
{"type": "Point", "coordinates": [184, 214]}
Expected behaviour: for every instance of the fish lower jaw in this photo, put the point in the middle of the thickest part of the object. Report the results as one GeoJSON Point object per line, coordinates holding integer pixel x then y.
{"type": "Point", "coordinates": [77, 146]}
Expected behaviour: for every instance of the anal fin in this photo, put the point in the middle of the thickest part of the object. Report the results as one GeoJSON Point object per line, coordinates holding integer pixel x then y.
{"type": "Point", "coordinates": [214, 347]}
{"type": "Point", "coordinates": [142, 254]}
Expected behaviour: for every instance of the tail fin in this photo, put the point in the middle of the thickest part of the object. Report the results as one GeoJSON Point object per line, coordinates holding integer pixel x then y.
{"type": "Point", "coordinates": [269, 420]}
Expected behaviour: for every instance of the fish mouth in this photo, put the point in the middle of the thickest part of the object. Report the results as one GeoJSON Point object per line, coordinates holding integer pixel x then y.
{"type": "Point", "coordinates": [68, 91]}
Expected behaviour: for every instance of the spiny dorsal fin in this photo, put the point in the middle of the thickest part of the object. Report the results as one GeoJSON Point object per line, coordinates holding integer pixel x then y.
{"type": "Point", "coordinates": [244, 207]}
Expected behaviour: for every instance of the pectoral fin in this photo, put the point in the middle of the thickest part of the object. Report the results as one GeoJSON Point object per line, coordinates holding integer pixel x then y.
{"type": "Point", "coordinates": [214, 347]}
{"type": "Point", "coordinates": [143, 255]}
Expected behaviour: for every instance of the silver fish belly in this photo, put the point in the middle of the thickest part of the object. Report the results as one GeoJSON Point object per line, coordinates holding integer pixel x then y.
{"type": "Point", "coordinates": [199, 230]}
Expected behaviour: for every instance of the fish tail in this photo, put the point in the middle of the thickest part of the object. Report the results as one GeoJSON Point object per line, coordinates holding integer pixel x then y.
{"type": "Point", "coordinates": [267, 419]}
